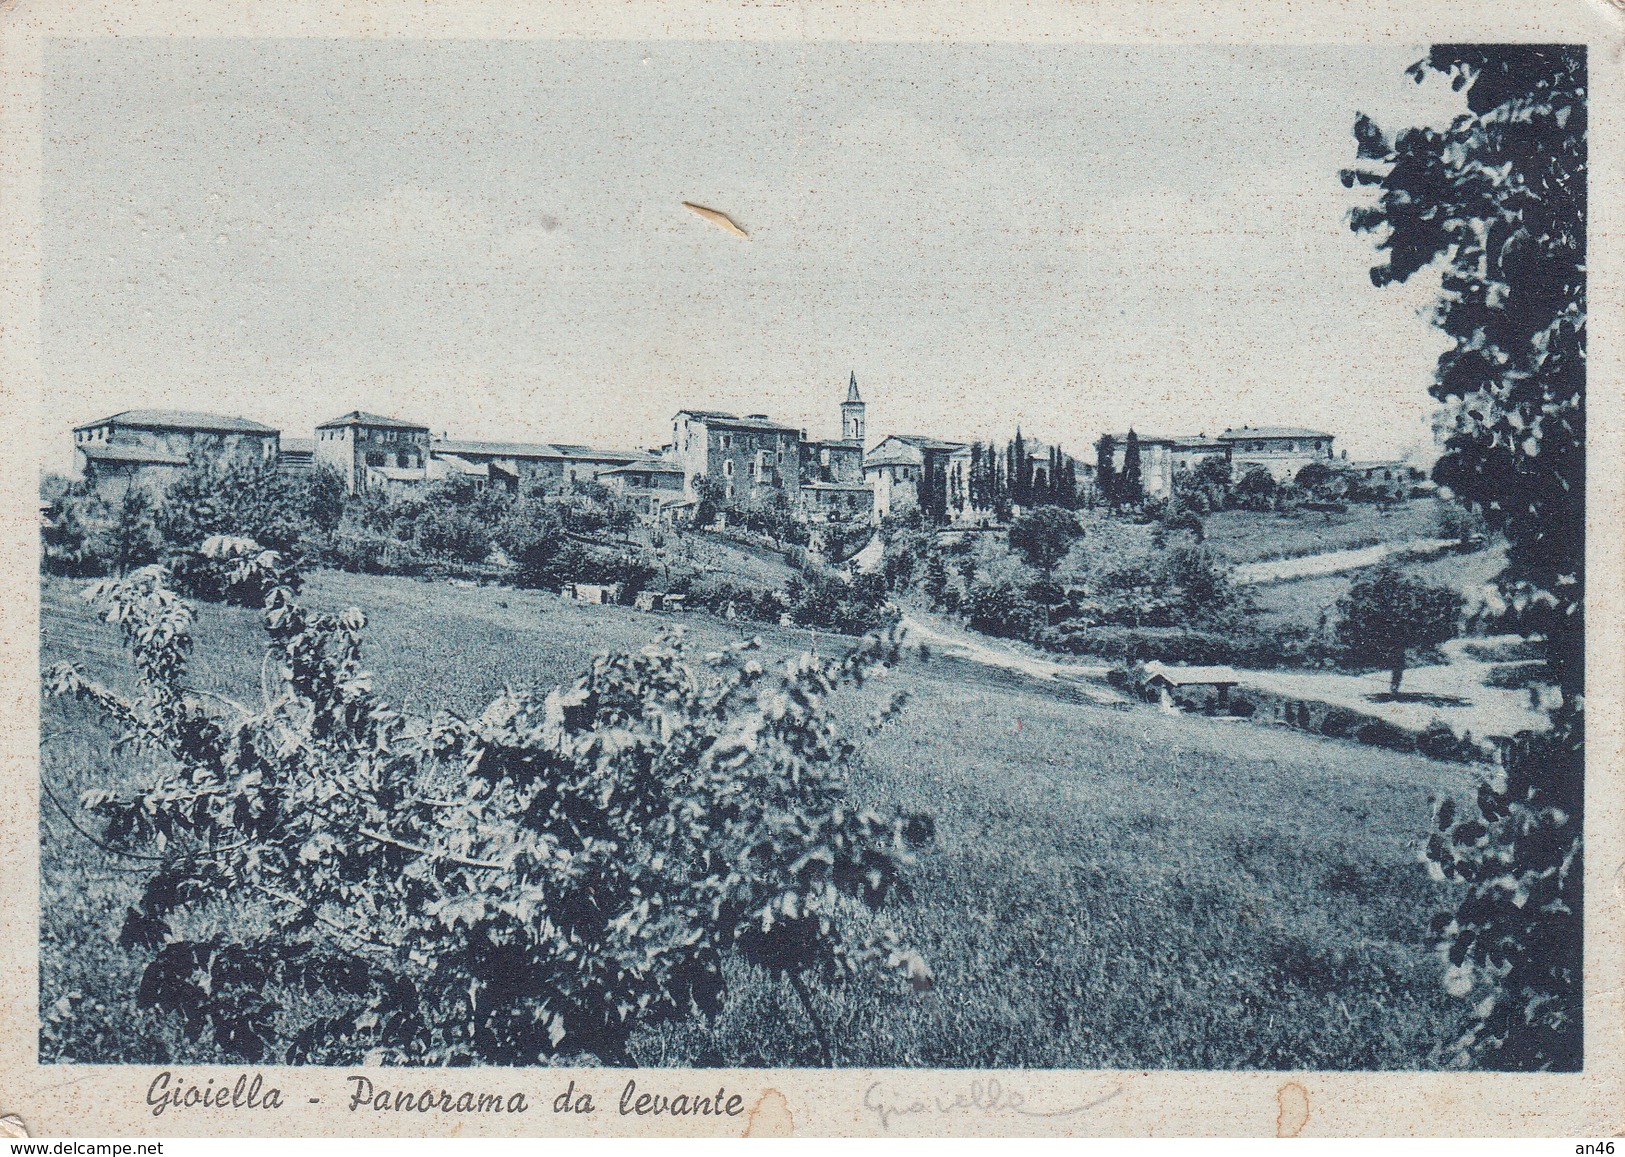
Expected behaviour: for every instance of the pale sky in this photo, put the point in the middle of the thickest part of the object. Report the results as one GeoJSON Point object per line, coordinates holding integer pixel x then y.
{"type": "Point", "coordinates": [488, 237]}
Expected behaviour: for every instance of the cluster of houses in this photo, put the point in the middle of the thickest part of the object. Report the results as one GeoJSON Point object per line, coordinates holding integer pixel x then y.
{"type": "Point", "coordinates": [745, 458]}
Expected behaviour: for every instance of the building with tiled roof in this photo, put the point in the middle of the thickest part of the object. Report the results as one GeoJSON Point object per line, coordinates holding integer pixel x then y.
{"type": "Point", "coordinates": [150, 448]}
{"type": "Point", "coordinates": [750, 459]}
{"type": "Point", "coordinates": [912, 471]}
{"type": "Point", "coordinates": [1281, 450]}
{"type": "Point", "coordinates": [297, 455]}
{"type": "Point", "coordinates": [357, 445]}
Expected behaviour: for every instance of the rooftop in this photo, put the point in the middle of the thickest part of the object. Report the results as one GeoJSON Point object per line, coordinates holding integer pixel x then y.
{"type": "Point", "coordinates": [651, 466]}
{"type": "Point", "coordinates": [1189, 676]}
{"type": "Point", "coordinates": [1143, 439]}
{"type": "Point", "coordinates": [444, 446]}
{"type": "Point", "coordinates": [890, 456]}
{"type": "Point", "coordinates": [601, 455]}
{"type": "Point", "coordinates": [1267, 432]}
{"type": "Point", "coordinates": [734, 422]}
{"type": "Point", "coordinates": [921, 442]}
{"type": "Point", "coordinates": [463, 466]}
{"type": "Point", "coordinates": [298, 445]}
{"type": "Point", "coordinates": [376, 421]}
{"type": "Point", "coordinates": [182, 420]}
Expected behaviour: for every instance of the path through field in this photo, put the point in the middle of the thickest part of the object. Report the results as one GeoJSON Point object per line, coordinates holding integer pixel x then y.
{"type": "Point", "coordinates": [947, 639]}
{"type": "Point", "coordinates": [1276, 570]}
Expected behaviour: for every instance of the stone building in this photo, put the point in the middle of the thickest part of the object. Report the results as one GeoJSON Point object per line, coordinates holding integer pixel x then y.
{"type": "Point", "coordinates": [832, 481]}
{"type": "Point", "coordinates": [1282, 450]}
{"type": "Point", "coordinates": [654, 484]}
{"type": "Point", "coordinates": [1189, 453]}
{"type": "Point", "coordinates": [751, 458]}
{"type": "Point", "coordinates": [912, 472]}
{"type": "Point", "coordinates": [518, 466]}
{"type": "Point", "coordinates": [150, 448]}
{"type": "Point", "coordinates": [1157, 461]}
{"type": "Point", "coordinates": [372, 452]}
{"type": "Point", "coordinates": [297, 455]}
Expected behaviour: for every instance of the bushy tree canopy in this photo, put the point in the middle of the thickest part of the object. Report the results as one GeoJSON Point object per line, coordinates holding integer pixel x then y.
{"type": "Point", "coordinates": [1044, 536]}
{"type": "Point", "coordinates": [1387, 615]}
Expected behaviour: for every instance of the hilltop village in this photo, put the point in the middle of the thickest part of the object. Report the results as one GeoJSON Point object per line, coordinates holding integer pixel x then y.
{"type": "Point", "coordinates": [736, 459]}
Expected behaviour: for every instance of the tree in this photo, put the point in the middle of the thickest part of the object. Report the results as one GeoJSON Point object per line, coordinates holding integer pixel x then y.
{"type": "Point", "coordinates": [1212, 475]}
{"type": "Point", "coordinates": [1256, 489]}
{"type": "Point", "coordinates": [1106, 469]}
{"type": "Point", "coordinates": [709, 495]}
{"type": "Point", "coordinates": [1318, 479]}
{"type": "Point", "coordinates": [1044, 535]}
{"type": "Point", "coordinates": [1132, 487]}
{"type": "Point", "coordinates": [1387, 615]}
{"type": "Point", "coordinates": [134, 537]}
{"type": "Point", "coordinates": [1021, 472]}
{"type": "Point", "coordinates": [1501, 196]}
{"type": "Point", "coordinates": [324, 498]}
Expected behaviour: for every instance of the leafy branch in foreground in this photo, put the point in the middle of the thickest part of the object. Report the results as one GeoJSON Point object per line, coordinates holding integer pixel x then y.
{"type": "Point", "coordinates": [340, 880]}
{"type": "Point", "coordinates": [1500, 197]}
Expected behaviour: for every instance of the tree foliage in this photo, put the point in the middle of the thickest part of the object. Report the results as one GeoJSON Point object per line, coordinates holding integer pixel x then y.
{"type": "Point", "coordinates": [1387, 615]}
{"type": "Point", "coordinates": [538, 881]}
{"type": "Point", "coordinates": [1500, 196]}
{"type": "Point", "coordinates": [1044, 536]}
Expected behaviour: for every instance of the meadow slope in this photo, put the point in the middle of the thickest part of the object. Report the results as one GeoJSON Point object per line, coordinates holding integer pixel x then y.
{"type": "Point", "coordinates": [1109, 888]}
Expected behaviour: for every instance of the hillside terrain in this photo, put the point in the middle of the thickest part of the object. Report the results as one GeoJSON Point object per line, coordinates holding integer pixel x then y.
{"type": "Point", "coordinates": [1109, 887]}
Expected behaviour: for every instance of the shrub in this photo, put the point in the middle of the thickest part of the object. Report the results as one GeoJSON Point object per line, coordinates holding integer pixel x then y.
{"type": "Point", "coordinates": [1198, 583]}
{"type": "Point", "coordinates": [823, 600]}
{"type": "Point", "coordinates": [997, 608]}
{"type": "Point", "coordinates": [1044, 536]}
{"type": "Point", "coordinates": [448, 532]}
{"type": "Point", "coordinates": [541, 881]}
{"type": "Point", "coordinates": [247, 499]}
{"type": "Point", "coordinates": [1256, 490]}
{"type": "Point", "coordinates": [1380, 733]}
{"type": "Point", "coordinates": [550, 563]}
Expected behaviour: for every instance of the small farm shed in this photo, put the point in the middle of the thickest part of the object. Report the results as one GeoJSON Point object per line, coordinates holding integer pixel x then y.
{"type": "Point", "coordinates": [595, 592]}
{"type": "Point", "coordinates": [1200, 687]}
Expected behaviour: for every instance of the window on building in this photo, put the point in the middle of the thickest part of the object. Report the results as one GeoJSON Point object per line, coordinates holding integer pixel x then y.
{"type": "Point", "coordinates": [823, 456]}
{"type": "Point", "coordinates": [376, 458]}
{"type": "Point", "coordinates": [728, 468]}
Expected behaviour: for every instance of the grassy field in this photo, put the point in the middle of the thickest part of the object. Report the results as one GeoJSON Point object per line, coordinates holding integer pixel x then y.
{"type": "Point", "coordinates": [1242, 536]}
{"type": "Point", "coordinates": [1109, 888]}
{"type": "Point", "coordinates": [1300, 602]}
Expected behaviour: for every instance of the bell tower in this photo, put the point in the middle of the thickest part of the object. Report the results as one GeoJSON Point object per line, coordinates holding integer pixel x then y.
{"type": "Point", "coordinates": [852, 412]}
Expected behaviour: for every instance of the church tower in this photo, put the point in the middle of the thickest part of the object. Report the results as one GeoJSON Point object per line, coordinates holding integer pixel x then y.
{"type": "Point", "coordinates": [852, 412]}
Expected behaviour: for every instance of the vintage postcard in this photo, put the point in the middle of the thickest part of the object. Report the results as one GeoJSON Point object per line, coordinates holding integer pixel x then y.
{"type": "Point", "coordinates": [717, 569]}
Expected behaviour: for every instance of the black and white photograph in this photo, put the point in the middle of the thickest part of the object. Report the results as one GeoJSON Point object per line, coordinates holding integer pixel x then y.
{"type": "Point", "coordinates": [808, 553]}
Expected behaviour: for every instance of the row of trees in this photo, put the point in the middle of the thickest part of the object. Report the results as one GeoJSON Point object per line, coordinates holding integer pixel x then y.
{"type": "Point", "coordinates": [1002, 478]}
{"type": "Point", "coordinates": [535, 538]}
